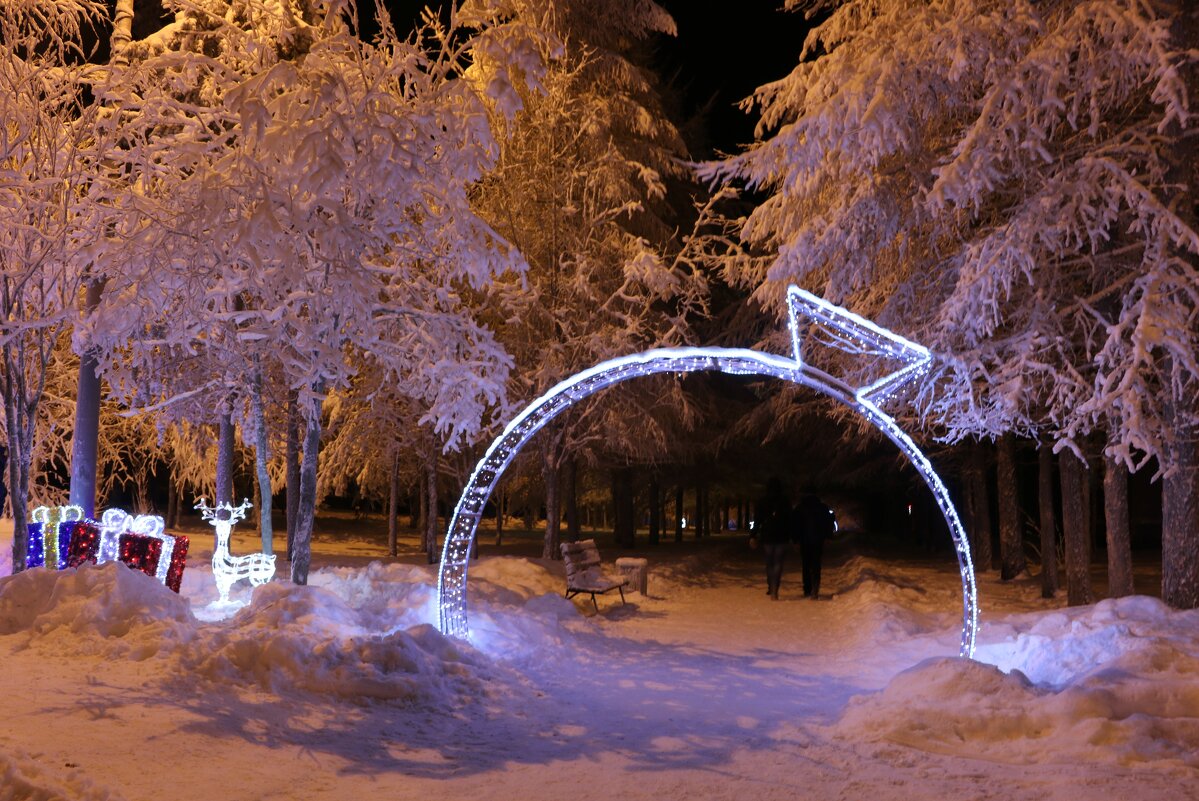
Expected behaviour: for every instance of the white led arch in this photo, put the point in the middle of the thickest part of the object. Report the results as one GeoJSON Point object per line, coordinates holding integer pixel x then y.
{"type": "Point", "coordinates": [849, 332]}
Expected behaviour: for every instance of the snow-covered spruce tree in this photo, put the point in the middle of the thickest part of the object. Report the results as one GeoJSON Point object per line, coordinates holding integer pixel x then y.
{"type": "Point", "coordinates": [316, 188]}
{"type": "Point", "coordinates": [1000, 180]}
{"type": "Point", "coordinates": [1180, 486]}
{"type": "Point", "coordinates": [53, 198]}
{"type": "Point", "coordinates": [580, 190]}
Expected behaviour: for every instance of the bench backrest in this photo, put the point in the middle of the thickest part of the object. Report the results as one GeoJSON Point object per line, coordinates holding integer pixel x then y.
{"type": "Point", "coordinates": [580, 557]}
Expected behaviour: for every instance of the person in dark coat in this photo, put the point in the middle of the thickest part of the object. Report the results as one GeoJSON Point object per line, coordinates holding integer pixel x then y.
{"type": "Point", "coordinates": [772, 527]}
{"type": "Point", "coordinates": [814, 523]}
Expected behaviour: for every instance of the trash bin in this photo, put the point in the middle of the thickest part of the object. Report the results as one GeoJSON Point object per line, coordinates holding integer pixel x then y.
{"type": "Point", "coordinates": [636, 571]}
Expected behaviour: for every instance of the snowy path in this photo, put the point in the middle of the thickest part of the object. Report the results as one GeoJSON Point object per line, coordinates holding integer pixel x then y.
{"type": "Point", "coordinates": [719, 693]}
{"type": "Point", "coordinates": [706, 690]}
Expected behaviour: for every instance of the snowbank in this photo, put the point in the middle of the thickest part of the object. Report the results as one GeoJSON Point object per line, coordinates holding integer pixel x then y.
{"type": "Point", "coordinates": [517, 608]}
{"type": "Point", "coordinates": [897, 604]}
{"type": "Point", "coordinates": [23, 778]}
{"type": "Point", "coordinates": [309, 639]}
{"type": "Point", "coordinates": [1113, 682]}
{"type": "Point", "coordinates": [1056, 648]}
{"type": "Point", "coordinates": [703, 665]}
{"type": "Point", "coordinates": [108, 608]}
{"type": "Point", "coordinates": [514, 581]}
{"type": "Point", "coordinates": [357, 634]}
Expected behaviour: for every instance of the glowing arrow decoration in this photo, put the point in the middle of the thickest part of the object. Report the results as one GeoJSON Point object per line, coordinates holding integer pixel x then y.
{"type": "Point", "coordinates": [850, 333]}
{"type": "Point", "coordinates": [861, 336]}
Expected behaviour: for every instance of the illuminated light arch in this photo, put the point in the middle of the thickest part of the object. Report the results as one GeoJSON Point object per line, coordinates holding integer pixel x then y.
{"type": "Point", "coordinates": [849, 332]}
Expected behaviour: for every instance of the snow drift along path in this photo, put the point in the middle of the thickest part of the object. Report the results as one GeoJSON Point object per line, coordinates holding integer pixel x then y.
{"type": "Point", "coordinates": [116, 689]}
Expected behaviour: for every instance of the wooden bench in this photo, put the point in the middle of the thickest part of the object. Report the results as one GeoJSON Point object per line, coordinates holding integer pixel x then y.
{"type": "Point", "coordinates": [584, 574]}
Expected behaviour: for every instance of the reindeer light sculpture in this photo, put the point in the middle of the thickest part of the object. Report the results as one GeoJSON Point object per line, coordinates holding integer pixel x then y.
{"type": "Point", "coordinates": [227, 569]}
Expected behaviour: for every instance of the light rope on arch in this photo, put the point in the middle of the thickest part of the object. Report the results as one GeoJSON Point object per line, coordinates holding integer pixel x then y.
{"type": "Point", "coordinates": [853, 333]}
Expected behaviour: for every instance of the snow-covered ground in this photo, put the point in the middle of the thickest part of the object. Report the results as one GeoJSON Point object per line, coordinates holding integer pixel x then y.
{"type": "Point", "coordinates": [115, 688]}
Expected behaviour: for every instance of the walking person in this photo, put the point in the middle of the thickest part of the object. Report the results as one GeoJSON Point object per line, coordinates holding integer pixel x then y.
{"type": "Point", "coordinates": [815, 524]}
{"type": "Point", "coordinates": [772, 527]}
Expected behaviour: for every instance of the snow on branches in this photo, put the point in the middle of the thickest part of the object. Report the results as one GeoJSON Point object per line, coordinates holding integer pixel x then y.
{"type": "Point", "coordinates": [296, 207]}
{"type": "Point", "coordinates": [315, 189]}
{"type": "Point", "coordinates": [55, 193]}
{"type": "Point", "coordinates": [998, 179]}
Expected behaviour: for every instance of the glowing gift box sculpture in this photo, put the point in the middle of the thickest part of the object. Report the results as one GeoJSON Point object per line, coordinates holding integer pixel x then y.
{"type": "Point", "coordinates": [84, 545]}
{"type": "Point", "coordinates": [50, 535]}
{"type": "Point", "coordinates": [142, 544]}
{"type": "Point", "coordinates": [227, 569]}
{"type": "Point", "coordinates": [61, 537]}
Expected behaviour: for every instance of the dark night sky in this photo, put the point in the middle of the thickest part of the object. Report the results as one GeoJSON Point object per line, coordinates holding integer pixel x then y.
{"type": "Point", "coordinates": [723, 51]}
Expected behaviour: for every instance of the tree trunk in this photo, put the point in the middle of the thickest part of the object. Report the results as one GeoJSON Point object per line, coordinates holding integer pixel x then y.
{"type": "Point", "coordinates": [655, 512]}
{"type": "Point", "coordinates": [306, 508]}
{"type": "Point", "coordinates": [262, 458]}
{"type": "Point", "coordinates": [422, 514]}
{"type": "Point", "coordinates": [224, 457]}
{"type": "Point", "coordinates": [474, 543]}
{"type": "Point", "coordinates": [678, 513]}
{"type": "Point", "coordinates": [1048, 520]}
{"type": "Point", "coordinates": [570, 497]}
{"type": "Point", "coordinates": [122, 32]}
{"type": "Point", "coordinates": [549, 473]}
{"type": "Point", "coordinates": [292, 457]}
{"type": "Point", "coordinates": [1180, 486]}
{"type": "Point", "coordinates": [499, 517]}
{"type": "Point", "coordinates": [1011, 530]}
{"type": "Point", "coordinates": [1074, 529]}
{"type": "Point", "coordinates": [430, 535]}
{"type": "Point", "coordinates": [451, 507]}
{"type": "Point", "coordinates": [980, 506]}
{"type": "Point", "coordinates": [85, 441]}
{"type": "Point", "coordinates": [1115, 515]}
{"type": "Point", "coordinates": [172, 515]}
{"type": "Point", "coordinates": [224, 461]}
{"type": "Point", "coordinates": [699, 512]}
{"type": "Point", "coordinates": [20, 454]}
{"type": "Point", "coordinates": [1093, 493]}
{"type": "Point", "coordinates": [1180, 507]}
{"type": "Point", "coordinates": [707, 509]}
{"type": "Point", "coordinates": [393, 507]}
{"type": "Point", "coordinates": [920, 522]}
{"type": "Point", "coordinates": [622, 502]}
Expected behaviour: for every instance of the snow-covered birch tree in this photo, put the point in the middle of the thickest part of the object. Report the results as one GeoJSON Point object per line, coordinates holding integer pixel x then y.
{"type": "Point", "coordinates": [316, 187]}
{"type": "Point", "coordinates": [53, 198]}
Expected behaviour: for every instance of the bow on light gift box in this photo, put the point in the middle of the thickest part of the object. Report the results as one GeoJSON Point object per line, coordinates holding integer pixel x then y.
{"type": "Point", "coordinates": [61, 537]}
